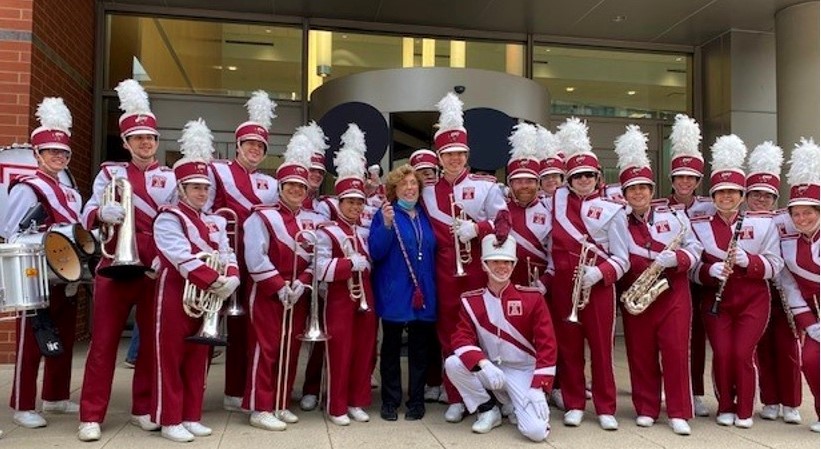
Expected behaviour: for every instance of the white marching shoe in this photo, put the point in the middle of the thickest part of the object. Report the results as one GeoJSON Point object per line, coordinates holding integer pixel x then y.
{"type": "Point", "coordinates": [432, 393]}
{"type": "Point", "coordinates": [89, 431]}
{"type": "Point", "coordinates": [791, 415]}
{"type": "Point", "coordinates": [556, 397]}
{"type": "Point", "coordinates": [29, 419]}
{"type": "Point", "coordinates": [725, 419]}
{"type": "Point", "coordinates": [308, 402]}
{"type": "Point", "coordinates": [286, 416]}
{"type": "Point", "coordinates": [232, 403]}
{"type": "Point", "coordinates": [64, 406]}
{"type": "Point", "coordinates": [267, 421]}
{"type": "Point", "coordinates": [680, 426]}
{"type": "Point", "coordinates": [144, 422]}
{"type": "Point", "coordinates": [196, 428]}
{"type": "Point", "coordinates": [573, 418]}
{"type": "Point", "coordinates": [177, 433]}
{"type": "Point", "coordinates": [699, 408]}
{"type": "Point", "coordinates": [486, 421]}
{"type": "Point", "coordinates": [745, 423]}
{"type": "Point", "coordinates": [443, 396]}
{"type": "Point", "coordinates": [358, 415]}
{"type": "Point", "coordinates": [770, 412]}
{"type": "Point", "coordinates": [645, 421]}
{"type": "Point", "coordinates": [341, 420]}
{"type": "Point", "coordinates": [455, 413]}
{"type": "Point", "coordinates": [815, 427]}
{"type": "Point", "coordinates": [608, 422]}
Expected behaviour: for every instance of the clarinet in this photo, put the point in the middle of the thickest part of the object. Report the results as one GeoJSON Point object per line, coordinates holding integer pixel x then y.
{"type": "Point", "coordinates": [728, 263]}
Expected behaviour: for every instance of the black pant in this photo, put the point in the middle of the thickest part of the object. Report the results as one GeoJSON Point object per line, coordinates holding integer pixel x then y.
{"type": "Point", "coordinates": [421, 335]}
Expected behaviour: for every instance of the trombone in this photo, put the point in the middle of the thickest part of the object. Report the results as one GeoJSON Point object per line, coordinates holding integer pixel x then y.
{"type": "Point", "coordinates": [355, 286]}
{"type": "Point", "coordinates": [234, 307]}
{"type": "Point", "coordinates": [463, 256]}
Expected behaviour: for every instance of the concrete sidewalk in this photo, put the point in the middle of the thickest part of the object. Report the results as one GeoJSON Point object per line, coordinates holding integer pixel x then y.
{"type": "Point", "coordinates": [231, 430]}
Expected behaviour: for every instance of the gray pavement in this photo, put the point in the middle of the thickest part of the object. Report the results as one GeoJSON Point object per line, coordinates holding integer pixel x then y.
{"type": "Point", "coordinates": [231, 430]}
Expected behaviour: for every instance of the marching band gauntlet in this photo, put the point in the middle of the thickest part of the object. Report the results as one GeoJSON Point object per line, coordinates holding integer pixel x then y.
{"type": "Point", "coordinates": [742, 259]}
{"type": "Point", "coordinates": [111, 213]}
{"type": "Point", "coordinates": [224, 286]}
{"type": "Point", "coordinates": [717, 270]}
{"type": "Point", "coordinates": [297, 289]}
{"type": "Point", "coordinates": [491, 375]}
{"type": "Point", "coordinates": [592, 275]}
{"type": "Point", "coordinates": [358, 261]}
{"type": "Point", "coordinates": [667, 259]}
{"type": "Point", "coordinates": [284, 294]}
{"type": "Point", "coordinates": [466, 230]}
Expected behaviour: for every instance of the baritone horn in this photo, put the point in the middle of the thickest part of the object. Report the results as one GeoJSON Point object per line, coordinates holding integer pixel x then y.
{"type": "Point", "coordinates": [125, 263]}
{"type": "Point", "coordinates": [463, 256]}
{"type": "Point", "coordinates": [355, 286]}
{"type": "Point", "coordinates": [234, 307]}
{"type": "Point", "coordinates": [202, 303]}
{"type": "Point", "coordinates": [581, 295]}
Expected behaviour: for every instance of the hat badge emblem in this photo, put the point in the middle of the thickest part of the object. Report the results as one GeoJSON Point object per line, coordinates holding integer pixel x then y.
{"type": "Point", "coordinates": [141, 119]}
{"type": "Point", "coordinates": [636, 171]}
{"type": "Point", "coordinates": [766, 178]}
{"type": "Point", "coordinates": [803, 188]}
{"type": "Point", "coordinates": [579, 159]}
{"type": "Point", "coordinates": [59, 134]}
{"type": "Point", "coordinates": [686, 160]}
{"type": "Point", "coordinates": [260, 130]}
{"type": "Point", "coordinates": [453, 135]}
{"type": "Point", "coordinates": [725, 175]}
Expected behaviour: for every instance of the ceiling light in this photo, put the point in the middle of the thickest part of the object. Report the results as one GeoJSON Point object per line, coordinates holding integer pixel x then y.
{"type": "Point", "coordinates": [569, 89]}
{"type": "Point", "coordinates": [547, 50]}
{"type": "Point", "coordinates": [267, 30]}
{"type": "Point", "coordinates": [631, 92]}
{"type": "Point", "coordinates": [344, 36]}
{"type": "Point", "coordinates": [216, 67]}
{"type": "Point", "coordinates": [679, 59]}
{"type": "Point", "coordinates": [232, 68]}
{"type": "Point", "coordinates": [618, 19]}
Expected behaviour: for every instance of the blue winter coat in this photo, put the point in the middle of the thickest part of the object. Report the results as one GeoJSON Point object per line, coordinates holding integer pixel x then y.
{"type": "Point", "coordinates": [392, 282]}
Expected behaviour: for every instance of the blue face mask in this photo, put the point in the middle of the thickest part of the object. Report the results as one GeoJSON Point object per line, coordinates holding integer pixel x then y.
{"type": "Point", "coordinates": [406, 204]}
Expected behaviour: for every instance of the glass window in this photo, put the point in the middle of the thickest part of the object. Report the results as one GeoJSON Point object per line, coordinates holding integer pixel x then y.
{"type": "Point", "coordinates": [201, 57]}
{"type": "Point", "coordinates": [614, 83]}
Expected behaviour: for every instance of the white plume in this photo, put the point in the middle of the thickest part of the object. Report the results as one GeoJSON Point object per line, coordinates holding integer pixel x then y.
{"type": "Point", "coordinates": [261, 108]}
{"type": "Point", "coordinates": [196, 142]}
{"type": "Point", "coordinates": [350, 158]}
{"type": "Point", "coordinates": [53, 113]}
{"type": "Point", "coordinates": [299, 150]}
{"type": "Point", "coordinates": [685, 137]}
{"type": "Point", "coordinates": [573, 137]}
{"type": "Point", "coordinates": [805, 164]}
{"type": "Point", "coordinates": [549, 142]}
{"type": "Point", "coordinates": [766, 158]}
{"type": "Point", "coordinates": [133, 98]}
{"type": "Point", "coordinates": [450, 112]}
{"type": "Point", "coordinates": [314, 133]}
{"type": "Point", "coordinates": [631, 147]}
{"type": "Point", "coordinates": [524, 141]}
{"type": "Point", "coordinates": [728, 153]}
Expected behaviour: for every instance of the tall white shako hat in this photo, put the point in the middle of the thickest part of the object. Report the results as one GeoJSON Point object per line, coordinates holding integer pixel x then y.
{"type": "Point", "coordinates": [505, 251]}
{"type": "Point", "coordinates": [525, 153]}
{"type": "Point", "coordinates": [634, 165]}
{"type": "Point", "coordinates": [297, 159]}
{"type": "Point", "coordinates": [550, 145]}
{"type": "Point", "coordinates": [137, 117]}
{"type": "Point", "coordinates": [260, 116]}
{"type": "Point", "coordinates": [684, 141]}
{"type": "Point", "coordinates": [197, 148]}
{"type": "Point", "coordinates": [764, 168]}
{"type": "Point", "coordinates": [728, 161]}
{"type": "Point", "coordinates": [804, 175]}
{"type": "Point", "coordinates": [579, 155]}
{"type": "Point", "coordinates": [319, 144]}
{"type": "Point", "coordinates": [451, 135]}
{"type": "Point", "coordinates": [55, 125]}
{"type": "Point", "coordinates": [423, 158]}
{"type": "Point", "coordinates": [349, 161]}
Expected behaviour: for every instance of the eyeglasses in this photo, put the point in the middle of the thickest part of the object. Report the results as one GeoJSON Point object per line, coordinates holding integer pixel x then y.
{"type": "Point", "coordinates": [586, 174]}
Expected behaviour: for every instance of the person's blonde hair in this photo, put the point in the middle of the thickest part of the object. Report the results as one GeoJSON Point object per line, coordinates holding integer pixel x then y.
{"type": "Point", "coordinates": [396, 176]}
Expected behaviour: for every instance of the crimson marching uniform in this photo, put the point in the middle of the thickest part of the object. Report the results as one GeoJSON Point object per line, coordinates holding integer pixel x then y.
{"type": "Point", "coordinates": [603, 223]}
{"type": "Point", "coordinates": [745, 305]}
{"type": "Point", "coordinates": [530, 225]}
{"type": "Point", "coordinates": [663, 329]}
{"type": "Point", "coordinates": [269, 256]}
{"type": "Point", "coordinates": [113, 299]}
{"type": "Point", "coordinates": [180, 234]}
{"type": "Point", "coordinates": [63, 205]}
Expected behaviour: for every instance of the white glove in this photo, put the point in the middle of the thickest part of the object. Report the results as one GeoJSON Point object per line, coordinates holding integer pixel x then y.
{"type": "Point", "coordinates": [111, 213]}
{"type": "Point", "coordinates": [592, 275]}
{"type": "Point", "coordinates": [741, 258]}
{"type": "Point", "coordinates": [667, 259]}
{"type": "Point", "coordinates": [536, 398]}
{"type": "Point", "coordinates": [284, 294]}
{"type": "Point", "coordinates": [466, 230]}
{"type": "Point", "coordinates": [359, 262]}
{"type": "Point", "coordinates": [491, 376]}
{"type": "Point", "coordinates": [716, 270]}
{"type": "Point", "coordinates": [224, 286]}
{"type": "Point", "coordinates": [542, 288]}
{"type": "Point", "coordinates": [155, 268]}
{"type": "Point", "coordinates": [813, 331]}
{"type": "Point", "coordinates": [297, 289]}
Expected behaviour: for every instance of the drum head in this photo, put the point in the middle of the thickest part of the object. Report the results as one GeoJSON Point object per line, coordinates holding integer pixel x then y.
{"type": "Point", "coordinates": [61, 257]}
{"type": "Point", "coordinates": [85, 241]}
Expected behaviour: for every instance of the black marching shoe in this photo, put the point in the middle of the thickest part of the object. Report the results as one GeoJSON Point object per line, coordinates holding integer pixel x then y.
{"type": "Point", "coordinates": [415, 413]}
{"type": "Point", "coordinates": [388, 413]}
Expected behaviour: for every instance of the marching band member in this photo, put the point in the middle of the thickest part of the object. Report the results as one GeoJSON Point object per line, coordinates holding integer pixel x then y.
{"type": "Point", "coordinates": [515, 366]}
{"type": "Point", "coordinates": [153, 186]}
{"type": "Point", "coordinates": [51, 145]}
{"type": "Point", "coordinates": [426, 163]}
{"type": "Point", "coordinates": [374, 187]}
{"type": "Point", "coordinates": [778, 361]}
{"type": "Point", "coordinates": [686, 171]}
{"type": "Point", "coordinates": [582, 218]}
{"type": "Point", "coordinates": [799, 280]}
{"type": "Point", "coordinates": [316, 171]}
{"type": "Point", "coordinates": [343, 262]}
{"type": "Point", "coordinates": [239, 186]}
{"type": "Point", "coordinates": [551, 168]}
{"type": "Point", "coordinates": [181, 234]}
{"type": "Point", "coordinates": [272, 247]}
{"type": "Point", "coordinates": [740, 253]}
{"type": "Point", "coordinates": [482, 203]}
{"type": "Point", "coordinates": [660, 241]}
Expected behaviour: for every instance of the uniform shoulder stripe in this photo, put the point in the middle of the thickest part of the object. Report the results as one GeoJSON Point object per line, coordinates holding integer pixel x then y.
{"type": "Point", "coordinates": [704, 199]}
{"type": "Point", "coordinates": [794, 236]}
{"type": "Point", "coordinates": [114, 164]}
{"type": "Point", "coordinates": [660, 202]}
{"type": "Point", "coordinates": [701, 218]}
{"type": "Point", "coordinates": [479, 177]}
{"type": "Point", "coordinates": [221, 161]}
{"type": "Point", "coordinates": [760, 214]}
{"type": "Point", "coordinates": [526, 288]}
{"type": "Point", "coordinates": [477, 292]}
{"type": "Point", "coordinates": [164, 168]}
{"type": "Point", "coordinates": [260, 207]}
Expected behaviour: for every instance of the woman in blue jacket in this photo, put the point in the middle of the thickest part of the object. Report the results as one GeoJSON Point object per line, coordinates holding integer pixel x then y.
{"type": "Point", "coordinates": [402, 247]}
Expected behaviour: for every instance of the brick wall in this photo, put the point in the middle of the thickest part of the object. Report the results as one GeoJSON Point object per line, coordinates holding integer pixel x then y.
{"type": "Point", "coordinates": [47, 49]}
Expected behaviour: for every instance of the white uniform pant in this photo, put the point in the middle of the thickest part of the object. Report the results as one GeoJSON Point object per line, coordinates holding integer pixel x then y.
{"type": "Point", "coordinates": [517, 383]}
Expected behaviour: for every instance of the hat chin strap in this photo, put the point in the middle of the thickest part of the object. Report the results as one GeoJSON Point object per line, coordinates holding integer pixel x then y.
{"type": "Point", "coordinates": [499, 279]}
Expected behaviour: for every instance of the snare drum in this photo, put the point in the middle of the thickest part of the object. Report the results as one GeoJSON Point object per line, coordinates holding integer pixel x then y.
{"type": "Point", "coordinates": [22, 277]}
{"type": "Point", "coordinates": [62, 257]}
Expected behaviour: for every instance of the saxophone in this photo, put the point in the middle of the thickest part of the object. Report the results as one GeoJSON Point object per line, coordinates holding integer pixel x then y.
{"type": "Point", "coordinates": [647, 288]}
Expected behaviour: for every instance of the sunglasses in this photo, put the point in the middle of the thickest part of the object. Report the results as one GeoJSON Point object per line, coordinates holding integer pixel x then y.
{"type": "Point", "coordinates": [586, 174]}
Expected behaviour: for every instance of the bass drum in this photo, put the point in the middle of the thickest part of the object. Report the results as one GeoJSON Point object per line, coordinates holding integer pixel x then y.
{"type": "Point", "coordinates": [23, 284]}
{"type": "Point", "coordinates": [62, 258]}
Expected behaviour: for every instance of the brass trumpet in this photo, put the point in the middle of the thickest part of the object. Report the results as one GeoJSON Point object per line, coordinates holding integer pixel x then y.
{"type": "Point", "coordinates": [125, 263]}
{"type": "Point", "coordinates": [202, 303]}
{"type": "Point", "coordinates": [234, 307]}
{"type": "Point", "coordinates": [532, 273]}
{"type": "Point", "coordinates": [581, 295]}
{"type": "Point", "coordinates": [355, 286]}
{"type": "Point", "coordinates": [463, 256]}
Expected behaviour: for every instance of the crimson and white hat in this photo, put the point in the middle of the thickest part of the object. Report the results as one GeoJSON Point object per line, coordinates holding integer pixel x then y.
{"type": "Point", "coordinates": [318, 162]}
{"type": "Point", "coordinates": [350, 164]}
{"type": "Point", "coordinates": [634, 165]}
{"type": "Point", "coordinates": [423, 158]}
{"type": "Point", "coordinates": [728, 160]}
{"type": "Point", "coordinates": [260, 114]}
{"type": "Point", "coordinates": [685, 139]}
{"type": "Point", "coordinates": [197, 148]}
{"type": "Point", "coordinates": [575, 142]}
{"type": "Point", "coordinates": [137, 117]}
{"type": "Point", "coordinates": [318, 142]}
{"type": "Point", "coordinates": [505, 251]}
{"type": "Point", "coordinates": [764, 167]}
{"type": "Point", "coordinates": [297, 160]}
{"type": "Point", "coordinates": [549, 144]}
{"type": "Point", "coordinates": [55, 124]}
{"type": "Point", "coordinates": [804, 176]}
{"type": "Point", "coordinates": [525, 153]}
{"type": "Point", "coordinates": [451, 135]}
